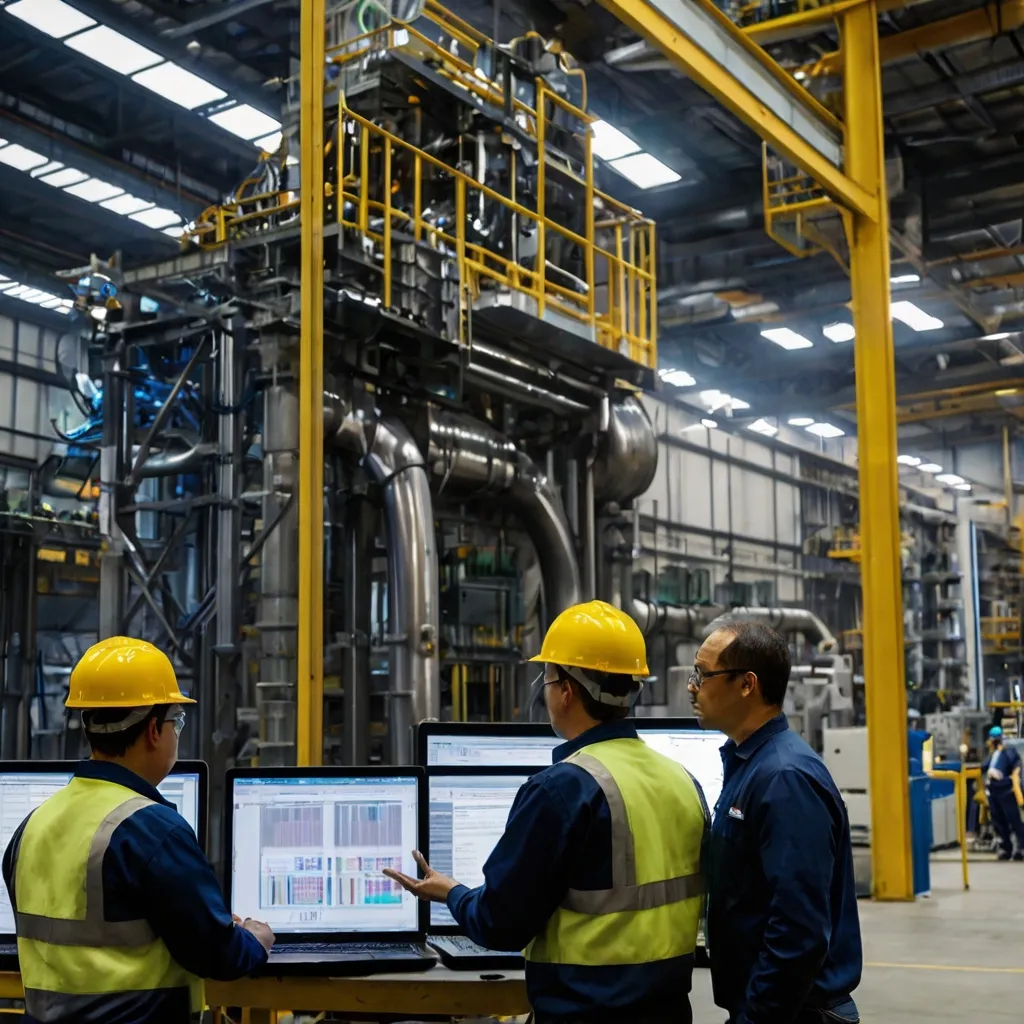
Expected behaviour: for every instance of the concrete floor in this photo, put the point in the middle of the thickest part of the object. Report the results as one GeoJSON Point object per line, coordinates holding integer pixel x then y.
{"type": "Point", "coordinates": [954, 956]}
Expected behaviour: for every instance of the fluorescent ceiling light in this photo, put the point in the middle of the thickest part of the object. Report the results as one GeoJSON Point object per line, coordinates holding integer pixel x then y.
{"type": "Point", "coordinates": [800, 421]}
{"type": "Point", "coordinates": [33, 295]}
{"type": "Point", "coordinates": [61, 179]}
{"type": "Point", "coordinates": [949, 478]}
{"type": "Point", "coordinates": [51, 302]}
{"type": "Point", "coordinates": [677, 378]}
{"type": "Point", "coordinates": [156, 218]}
{"type": "Point", "coordinates": [825, 430]}
{"type": "Point", "coordinates": [762, 426]}
{"type": "Point", "coordinates": [174, 232]}
{"type": "Point", "coordinates": [715, 399]}
{"type": "Point", "coordinates": [18, 290]}
{"type": "Point", "coordinates": [181, 86]}
{"type": "Point", "coordinates": [787, 339]}
{"type": "Point", "coordinates": [246, 122]}
{"type": "Point", "coordinates": [609, 143]}
{"type": "Point", "coordinates": [270, 144]}
{"type": "Point", "coordinates": [908, 460]}
{"type": "Point", "coordinates": [113, 50]}
{"type": "Point", "coordinates": [996, 337]}
{"type": "Point", "coordinates": [53, 165]}
{"type": "Point", "coordinates": [905, 279]}
{"type": "Point", "coordinates": [709, 423]}
{"type": "Point", "coordinates": [929, 467]}
{"type": "Point", "coordinates": [126, 204]}
{"type": "Point", "coordinates": [962, 487]}
{"type": "Point", "coordinates": [94, 190]}
{"type": "Point", "coordinates": [839, 331]}
{"type": "Point", "coordinates": [915, 317]}
{"type": "Point", "coordinates": [645, 171]}
{"type": "Point", "coordinates": [20, 158]}
{"type": "Point", "coordinates": [55, 18]}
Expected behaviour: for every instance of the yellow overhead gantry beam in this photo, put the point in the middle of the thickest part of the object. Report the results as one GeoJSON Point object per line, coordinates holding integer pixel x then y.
{"type": "Point", "coordinates": [703, 44]}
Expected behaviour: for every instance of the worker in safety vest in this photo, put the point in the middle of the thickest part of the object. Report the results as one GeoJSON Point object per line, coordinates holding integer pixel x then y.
{"type": "Point", "coordinates": [1001, 773]}
{"type": "Point", "coordinates": [118, 913]}
{"type": "Point", "coordinates": [597, 875]}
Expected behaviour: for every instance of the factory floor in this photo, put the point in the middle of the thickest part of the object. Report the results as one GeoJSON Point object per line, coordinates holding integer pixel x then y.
{"type": "Point", "coordinates": [954, 956]}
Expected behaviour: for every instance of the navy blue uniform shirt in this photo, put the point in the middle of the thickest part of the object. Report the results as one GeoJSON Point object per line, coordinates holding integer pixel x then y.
{"type": "Point", "coordinates": [559, 837]}
{"type": "Point", "coordinates": [154, 868]}
{"type": "Point", "coordinates": [782, 926]}
{"type": "Point", "coordinates": [1005, 761]}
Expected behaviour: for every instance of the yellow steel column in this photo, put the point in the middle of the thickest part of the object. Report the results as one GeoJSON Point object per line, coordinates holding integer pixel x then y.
{"type": "Point", "coordinates": [310, 688]}
{"type": "Point", "coordinates": [881, 575]}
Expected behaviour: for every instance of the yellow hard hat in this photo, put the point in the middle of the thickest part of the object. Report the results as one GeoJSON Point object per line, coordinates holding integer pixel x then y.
{"type": "Point", "coordinates": [123, 673]}
{"type": "Point", "coordinates": [595, 636]}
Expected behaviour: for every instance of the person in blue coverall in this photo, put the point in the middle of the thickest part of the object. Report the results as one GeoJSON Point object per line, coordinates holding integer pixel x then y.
{"type": "Point", "coordinates": [597, 874]}
{"type": "Point", "coordinates": [782, 928]}
{"type": "Point", "coordinates": [118, 913]}
{"type": "Point", "coordinates": [1001, 771]}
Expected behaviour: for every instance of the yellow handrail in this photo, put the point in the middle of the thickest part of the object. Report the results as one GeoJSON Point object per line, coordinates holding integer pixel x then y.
{"type": "Point", "coordinates": [959, 780]}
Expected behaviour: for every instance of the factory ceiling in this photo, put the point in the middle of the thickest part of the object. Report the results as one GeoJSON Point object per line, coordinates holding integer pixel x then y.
{"type": "Point", "coordinates": [173, 121]}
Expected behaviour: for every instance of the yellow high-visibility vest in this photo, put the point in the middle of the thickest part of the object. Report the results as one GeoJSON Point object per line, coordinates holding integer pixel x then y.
{"type": "Point", "coordinates": [652, 911]}
{"type": "Point", "coordinates": [74, 963]}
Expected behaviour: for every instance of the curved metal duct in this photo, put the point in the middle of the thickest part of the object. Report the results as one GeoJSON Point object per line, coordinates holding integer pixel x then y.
{"type": "Point", "coordinates": [477, 459]}
{"type": "Point", "coordinates": [392, 459]}
{"type": "Point", "coordinates": [782, 620]}
{"type": "Point", "coordinates": [628, 456]}
{"type": "Point", "coordinates": [674, 620]}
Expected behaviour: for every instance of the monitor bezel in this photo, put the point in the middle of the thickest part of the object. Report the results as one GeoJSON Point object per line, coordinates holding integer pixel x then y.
{"type": "Point", "coordinates": [462, 772]}
{"type": "Point", "coordinates": [416, 934]}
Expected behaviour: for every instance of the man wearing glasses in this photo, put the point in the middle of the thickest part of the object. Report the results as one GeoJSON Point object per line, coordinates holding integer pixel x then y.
{"type": "Point", "coordinates": [118, 913]}
{"type": "Point", "coordinates": [782, 927]}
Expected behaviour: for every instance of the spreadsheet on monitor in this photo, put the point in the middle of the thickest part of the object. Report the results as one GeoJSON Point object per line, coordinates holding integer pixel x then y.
{"type": "Point", "coordinates": [22, 792]}
{"type": "Point", "coordinates": [308, 852]}
{"type": "Point", "coordinates": [467, 818]}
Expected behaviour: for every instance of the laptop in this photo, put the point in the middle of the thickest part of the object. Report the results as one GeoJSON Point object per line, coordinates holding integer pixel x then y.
{"type": "Point", "coordinates": [24, 785]}
{"type": "Point", "coordinates": [306, 848]}
{"type": "Point", "coordinates": [467, 816]}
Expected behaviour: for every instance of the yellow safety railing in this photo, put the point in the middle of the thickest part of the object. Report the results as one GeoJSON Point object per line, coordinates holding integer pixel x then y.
{"type": "Point", "coordinates": [959, 780]}
{"type": "Point", "coordinates": [617, 293]}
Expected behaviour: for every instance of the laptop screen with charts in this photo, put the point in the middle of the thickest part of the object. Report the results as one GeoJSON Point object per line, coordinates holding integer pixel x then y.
{"type": "Point", "coordinates": [467, 818]}
{"type": "Point", "coordinates": [307, 847]}
{"type": "Point", "coordinates": [24, 785]}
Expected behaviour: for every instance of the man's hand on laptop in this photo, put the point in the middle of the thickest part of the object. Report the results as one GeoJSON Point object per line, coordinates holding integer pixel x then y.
{"type": "Point", "coordinates": [261, 931]}
{"type": "Point", "coordinates": [432, 886]}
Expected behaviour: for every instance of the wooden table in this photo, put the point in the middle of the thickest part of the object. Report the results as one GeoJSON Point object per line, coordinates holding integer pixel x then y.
{"type": "Point", "coordinates": [435, 993]}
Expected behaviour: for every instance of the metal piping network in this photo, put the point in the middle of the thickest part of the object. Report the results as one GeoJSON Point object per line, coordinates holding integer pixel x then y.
{"type": "Point", "coordinates": [782, 620]}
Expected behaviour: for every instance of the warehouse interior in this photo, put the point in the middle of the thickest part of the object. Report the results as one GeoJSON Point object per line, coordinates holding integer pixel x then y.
{"type": "Point", "coordinates": [339, 387]}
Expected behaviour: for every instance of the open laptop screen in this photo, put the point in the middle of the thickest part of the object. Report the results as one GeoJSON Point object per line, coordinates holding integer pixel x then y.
{"type": "Point", "coordinates": [307, 851]}
{"type": "Point", "coordinates": [467, 817]}
{"type": "Point", "coordinates": [22, 790]}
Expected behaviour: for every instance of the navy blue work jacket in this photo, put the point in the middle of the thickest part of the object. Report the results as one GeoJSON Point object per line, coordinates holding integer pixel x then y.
{"type": "Point", "coordinates": [558, 837]}
{"type": "Point", "coordinates": [783, 931]}
{"type": "Point", "coordinates": [155, 868]}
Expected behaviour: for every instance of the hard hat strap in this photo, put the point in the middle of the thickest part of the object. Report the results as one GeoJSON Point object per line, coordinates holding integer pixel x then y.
{"type": "Point", "coordinates": [133, 717]}
{"type": "Point", "coordinates": [602, 696]}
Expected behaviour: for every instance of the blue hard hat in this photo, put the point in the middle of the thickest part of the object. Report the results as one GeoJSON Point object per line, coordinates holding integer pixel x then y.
{"type": "Point", "coordinates": [995, 733]}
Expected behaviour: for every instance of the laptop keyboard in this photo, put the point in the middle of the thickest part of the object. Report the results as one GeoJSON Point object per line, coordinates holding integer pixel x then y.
{"type": "Point", "coordinates": [460, 944]}
{"type": "Point", "coordinates": [354, 949]}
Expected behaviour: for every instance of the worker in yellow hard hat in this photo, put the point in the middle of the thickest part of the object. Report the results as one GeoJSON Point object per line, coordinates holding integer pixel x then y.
{"type": "Point", "coordinates": [597, 876]}
{"type": "Point", "coordinates": [118, 913]}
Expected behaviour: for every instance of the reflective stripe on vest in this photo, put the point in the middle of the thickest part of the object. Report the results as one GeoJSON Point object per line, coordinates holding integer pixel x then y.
{"type": "Point", "coordinates": [652, 910]}
{"type": "Point", "coordinates": [76, 965]}
{"type": "Point", "coordinates": [93, 930]}
{"type": "Point", "coordinates": [625, 894]}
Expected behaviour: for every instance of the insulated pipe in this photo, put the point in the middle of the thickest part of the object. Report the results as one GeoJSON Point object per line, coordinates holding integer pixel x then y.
{"type": "Point", "coordinates": [627, 457]}
{"type": "Point", "coordinates": [782, 620]}
{"type": "Point", "coordinates": [674, 620]}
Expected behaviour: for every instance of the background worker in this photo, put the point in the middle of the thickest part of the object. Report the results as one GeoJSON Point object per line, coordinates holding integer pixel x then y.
{"type": "Point", "coordinates": [783, 932]}
{"type": "Point", "coordinates": [1001, 772]}
{"type": "Point", "coordinates": [597, 873]}
{"type": "Point", "coordinates": [118, 913]}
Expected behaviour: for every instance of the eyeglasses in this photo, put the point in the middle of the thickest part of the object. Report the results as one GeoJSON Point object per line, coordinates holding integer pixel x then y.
{"type": "Point", "coordinates": [178, 721]}
{"type": "Point", "coordinates": [697, 677]}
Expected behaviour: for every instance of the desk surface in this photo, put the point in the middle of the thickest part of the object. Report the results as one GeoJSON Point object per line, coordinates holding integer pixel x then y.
{"type": "Point", "coordinates": [438, 992]}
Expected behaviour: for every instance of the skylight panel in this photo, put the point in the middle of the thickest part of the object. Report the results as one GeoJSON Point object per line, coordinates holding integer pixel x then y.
{"type": "Point", "coordinates": [645, 171]}
{"type": "Point", "coordinates": [246, 122]}
{"type": "Point", "coordinates": [609, 143]}
{"type": "Point", "coordinates": [175, 83]}
{"type": "Point", "coordinates": [20, 158]}
{"type": "Point", "coordinates": [113, 50]}
{"type": "Point", "coordinates": [54, 17]}
{"type": "Point", "coordinates": [94, 190]}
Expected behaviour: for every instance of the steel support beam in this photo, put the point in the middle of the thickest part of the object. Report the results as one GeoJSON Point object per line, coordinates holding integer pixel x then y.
{"type": "Point", "coordinates": [881, 573]}
{"type": "Point", "coordinates": [310, 681]}
{"type": "Point", "coordinates": [702, 43]}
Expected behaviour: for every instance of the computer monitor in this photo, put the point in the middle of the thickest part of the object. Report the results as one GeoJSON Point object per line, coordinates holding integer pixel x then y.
{"type": "Point", "coordinates": [696, 749]}
{"type": "Point", "coordinates": [24, 785]}
{"type": "Point", "coordinates": [467, 815]}
{"type": "Point", "coordinates": [306, 848]}
{"type": "Point", "coordinates": [485, 745]}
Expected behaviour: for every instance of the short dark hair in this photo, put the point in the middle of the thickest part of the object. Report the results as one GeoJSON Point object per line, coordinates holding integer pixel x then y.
{"type": "Point", "coordinates": [757, 648]}
{"type": "Point", "coordinates": [117, 744]}
{"type": "Point", "coordinates": [611, 682]}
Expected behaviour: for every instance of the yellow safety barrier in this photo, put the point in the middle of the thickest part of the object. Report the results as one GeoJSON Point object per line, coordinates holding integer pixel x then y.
{"type": "Point", "coordinates": [959, 780]}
